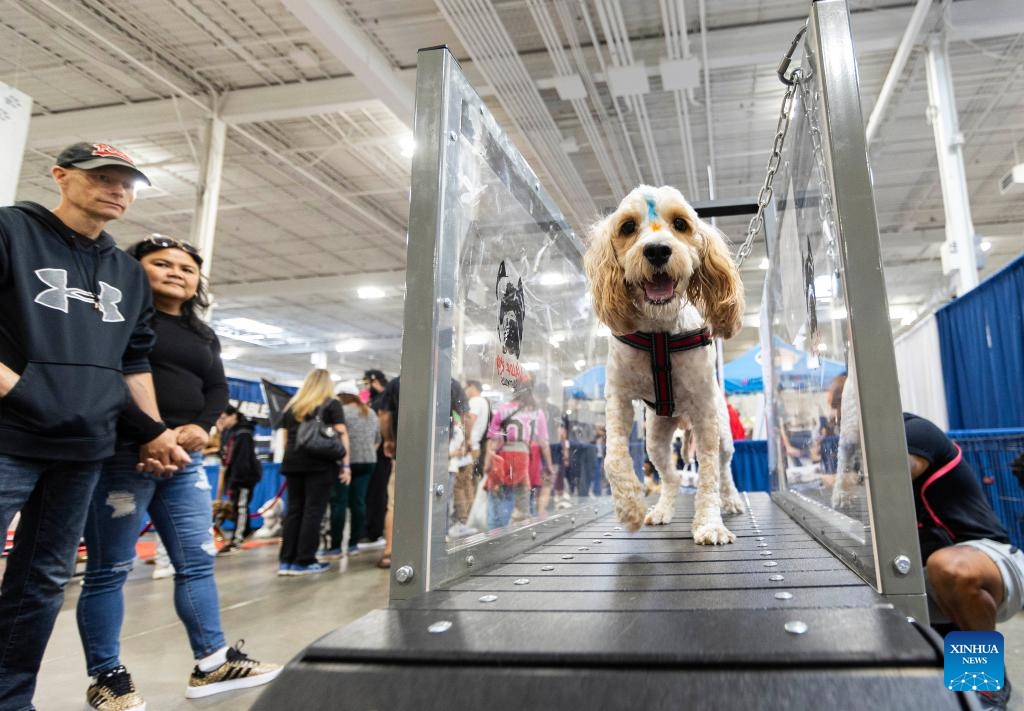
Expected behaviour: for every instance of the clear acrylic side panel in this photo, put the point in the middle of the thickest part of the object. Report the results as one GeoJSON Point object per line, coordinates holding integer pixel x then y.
{"type": "Point", "coordinates": [837, 446]}
{"type": "Point", "coordinates": [495, 294]}
{"type": "Point", "coordinates": [814, 429]}
{"type": "Point", "coordinates": [523, 329]}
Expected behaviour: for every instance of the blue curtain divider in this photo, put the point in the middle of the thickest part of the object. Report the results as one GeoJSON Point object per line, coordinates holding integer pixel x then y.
{"type": "Point", "coordinates": [750, 465]}
{"type": "Point", "coordinates": [981, 339]}
{"type": "Point", "coordinates": [989, 452]}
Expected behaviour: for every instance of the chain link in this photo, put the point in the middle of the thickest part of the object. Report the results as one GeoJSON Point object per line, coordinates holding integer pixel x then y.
{"type": "Point", "coordinates": [765, 196]}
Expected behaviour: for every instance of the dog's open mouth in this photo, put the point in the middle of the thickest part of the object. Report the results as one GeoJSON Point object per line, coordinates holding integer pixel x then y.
{"type": "Point", "coordinates": [660, 289]}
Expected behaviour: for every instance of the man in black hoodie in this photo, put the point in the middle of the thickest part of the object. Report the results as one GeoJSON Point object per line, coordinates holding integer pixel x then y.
{"type": "Point", "coordinates": [74, 334]}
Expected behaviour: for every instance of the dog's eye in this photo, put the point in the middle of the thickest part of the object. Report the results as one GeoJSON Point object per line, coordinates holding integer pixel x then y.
{"type": "Point", "coordinates": [628, 227]}
{"type": "Point", "coordinates": [680, 224]}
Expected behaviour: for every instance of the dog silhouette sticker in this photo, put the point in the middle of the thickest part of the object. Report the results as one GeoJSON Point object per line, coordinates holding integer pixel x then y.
{"type": "Point", "coordinates": [511, 310]}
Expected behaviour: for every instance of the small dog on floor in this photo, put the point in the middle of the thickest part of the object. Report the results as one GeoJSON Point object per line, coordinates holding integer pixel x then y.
{"type": "Point", "coordinates": [663, 282]}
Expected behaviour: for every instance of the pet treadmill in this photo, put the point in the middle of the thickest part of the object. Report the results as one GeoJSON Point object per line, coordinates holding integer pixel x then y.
{"type": "Point", "coordinates": [813, 606]}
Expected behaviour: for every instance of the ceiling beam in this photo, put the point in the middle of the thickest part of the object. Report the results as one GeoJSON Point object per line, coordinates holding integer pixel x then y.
{"type": "Point", "coordinates": [145, 119]}
{"type": "Point", "coordinates": [350, 44]}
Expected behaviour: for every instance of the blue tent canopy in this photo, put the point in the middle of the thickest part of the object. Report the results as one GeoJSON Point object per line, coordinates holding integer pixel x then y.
{"type": "Point", "coordinates": [744, 374]}
{"type": "Point", "coordinates": [588, 385]}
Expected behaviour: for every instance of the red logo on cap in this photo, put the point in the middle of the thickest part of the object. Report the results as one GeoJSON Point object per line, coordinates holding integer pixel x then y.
{"type": "Point", "coordinates": [105, 150]}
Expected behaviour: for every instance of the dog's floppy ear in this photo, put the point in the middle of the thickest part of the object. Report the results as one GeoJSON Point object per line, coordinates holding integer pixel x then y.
{"type": "Point", "coordinates": [715, 287]}
{"type": "Point", "coordinates": [608, 280]}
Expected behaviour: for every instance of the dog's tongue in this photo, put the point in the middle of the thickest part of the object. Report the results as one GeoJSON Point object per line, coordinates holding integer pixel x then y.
{"type": "Point", "coordinates": [660, 287]}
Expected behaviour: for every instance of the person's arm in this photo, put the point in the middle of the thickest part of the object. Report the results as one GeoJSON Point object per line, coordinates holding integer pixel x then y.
{"type": "Point", "coordinates": [161, 455]}
{"type": "Point", "coordinates": [387, 432]}
{"type": "Point", "coordinates": [346, 465]}
{"type": "Point", "coordinates": [918, 465]}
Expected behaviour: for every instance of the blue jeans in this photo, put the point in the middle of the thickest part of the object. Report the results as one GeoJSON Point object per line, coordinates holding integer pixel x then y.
{"type": "Point", "coordinates": [180, 510]}
{"type": "Point", "coordinates": [500, 502]}
{"type": "Point", "coordinates": [53, 498]}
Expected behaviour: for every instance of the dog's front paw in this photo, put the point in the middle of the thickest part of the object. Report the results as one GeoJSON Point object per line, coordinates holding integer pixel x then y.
{"type": "Point", "coordinates": [659, 515]}
{"type": "Point", "coordinates": [844, 500]}
{"type": "Point", "coordinates": [733, 505]}
{"type": "Point", "coordinates": [712, 534]}
{"type": "Point", "coordinates": [630, 511]}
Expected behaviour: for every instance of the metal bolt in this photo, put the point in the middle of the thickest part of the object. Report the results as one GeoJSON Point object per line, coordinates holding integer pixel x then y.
{"type": "Point", "coordinates": [796, 627]}
{"type": "Point", "coordinates": [470, 560]}
{"type": "Point", "coordinates": [776, 578]}
{"type": "Point", "coordinates": [488, 598]}
{"type": "Point", "coordinates": [439, 490]}
{"type": "Point", "coordinates": [902, 564]}
{"type": "Point", "coordinates": [521, 581]}
{"type": "Point", "coordinates": [440, 626]}
{"type": "Point", "coordinates": [404, 574]}
{"type": "Point", "coordinates": [764, 553]}
{"type": "Point", "coordinates": [452, 135]}
{"type": "Point", "coordinates": [770, 564]}
{"type": "Point", "coordinates": [533, 535]}
{"type": "Point", "coordinates": [547, 568]}
{"type": "Point", "coordinates": [568, 556]}
{"type": "Point", "coordinates": [446, 303]}
{"type": "Point", "coordinates": [783, 596]}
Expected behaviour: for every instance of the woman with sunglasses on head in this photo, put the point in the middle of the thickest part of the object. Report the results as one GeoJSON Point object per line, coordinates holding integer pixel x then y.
{"type": "Point", "coordinates": [191, 392]}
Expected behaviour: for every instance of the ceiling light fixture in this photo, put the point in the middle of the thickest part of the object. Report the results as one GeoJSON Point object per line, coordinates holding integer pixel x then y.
{"type": "Point", "coordinates": [371, 292]}
{"type": "Point", "coordinates": [406, 145]}
{"type": "Point", "coordinates": [350, 345]}
{"type": "Point", "coordinates": [552, 279]}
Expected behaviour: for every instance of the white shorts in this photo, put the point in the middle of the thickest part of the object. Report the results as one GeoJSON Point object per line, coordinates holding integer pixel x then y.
{"type": "Point", "coordinates": [1010, 561]}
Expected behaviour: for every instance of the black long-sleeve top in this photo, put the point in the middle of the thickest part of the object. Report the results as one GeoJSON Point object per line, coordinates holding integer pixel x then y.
{"type": "Point", "coordinates": [188, 375]}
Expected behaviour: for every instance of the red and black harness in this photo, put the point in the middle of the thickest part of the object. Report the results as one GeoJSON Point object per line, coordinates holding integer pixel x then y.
{"type": "Point", "coordinates": [661, 346]}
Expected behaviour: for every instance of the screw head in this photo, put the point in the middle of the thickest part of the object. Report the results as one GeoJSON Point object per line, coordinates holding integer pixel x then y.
{"type": "Point", "coordinates": [404, 574]}
{"type": "Point", "coordinates": [902, 564]}
{"type": "Point", "coordinates": [439, 490]}
{"type": "Point", "coordinates": [470, 560]}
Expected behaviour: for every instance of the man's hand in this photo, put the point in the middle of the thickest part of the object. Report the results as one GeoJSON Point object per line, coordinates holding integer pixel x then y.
{"type": "Point", "coordinates": [162, 456]}
{"type": "Point", "coordinates": [389, 448]}
{"type": "Point", "coordinates": [8, 379]}
{"type": "Point", "coordinates": [192, 438]}
{"type": "Point", "coordinates": [345, 477]}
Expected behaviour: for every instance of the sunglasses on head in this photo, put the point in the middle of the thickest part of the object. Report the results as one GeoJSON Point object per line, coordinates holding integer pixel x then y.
{"type": "Point", "coordinates": [155, 243]}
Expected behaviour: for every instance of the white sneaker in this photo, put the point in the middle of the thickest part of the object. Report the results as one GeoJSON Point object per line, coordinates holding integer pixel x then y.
{"type": "Point", "coordinates": [162, 572]}
{"type": "Point", "coordinates": [372, 545]}
{"type": "Point", "coordinates": [461, 530]}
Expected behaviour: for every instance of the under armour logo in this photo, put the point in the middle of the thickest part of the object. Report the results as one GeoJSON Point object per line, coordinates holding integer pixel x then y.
{"type": "Point", "coordinates": [56, 297]}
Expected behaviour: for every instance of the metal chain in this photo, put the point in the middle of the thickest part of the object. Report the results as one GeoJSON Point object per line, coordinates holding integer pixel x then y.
{"type": "Point", "coordinates": [792, 82]}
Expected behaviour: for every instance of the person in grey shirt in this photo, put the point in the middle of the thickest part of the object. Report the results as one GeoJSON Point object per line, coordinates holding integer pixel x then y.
{"type": "Point", "coordinates": [363, 438]}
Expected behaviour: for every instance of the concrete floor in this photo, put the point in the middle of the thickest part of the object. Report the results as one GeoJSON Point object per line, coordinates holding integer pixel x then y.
{"type": "Point", "coordinates": [277, 617]}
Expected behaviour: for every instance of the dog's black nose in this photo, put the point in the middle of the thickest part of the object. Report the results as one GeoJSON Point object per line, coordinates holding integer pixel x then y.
{"type": "Point", "coordinates": [657, 254]}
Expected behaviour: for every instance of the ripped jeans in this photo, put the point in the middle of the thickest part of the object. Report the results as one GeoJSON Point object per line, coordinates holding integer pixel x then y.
{"type": "Point", "coordinates": [180, 510]}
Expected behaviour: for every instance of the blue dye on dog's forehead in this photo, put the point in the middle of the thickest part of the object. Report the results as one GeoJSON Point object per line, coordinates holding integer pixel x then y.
{"type": "Point", "coordinates": [652, 212]}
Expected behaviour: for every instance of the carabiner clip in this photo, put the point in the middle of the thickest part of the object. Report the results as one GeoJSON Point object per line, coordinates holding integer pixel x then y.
{"type": "Point", "coordinates": [784, 64]}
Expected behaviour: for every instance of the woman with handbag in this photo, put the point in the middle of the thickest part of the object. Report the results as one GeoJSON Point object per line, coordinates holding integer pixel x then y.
{"type": "Point", "coordinates": [310, 420]}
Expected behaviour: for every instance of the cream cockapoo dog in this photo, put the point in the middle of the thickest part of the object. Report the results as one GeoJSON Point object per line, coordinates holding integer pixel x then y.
{"type": "Point", "coordinates": [663, 281]}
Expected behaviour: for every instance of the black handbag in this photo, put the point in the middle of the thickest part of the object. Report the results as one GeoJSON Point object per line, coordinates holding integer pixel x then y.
{"type": "Point", "coordinates": [317, 440]}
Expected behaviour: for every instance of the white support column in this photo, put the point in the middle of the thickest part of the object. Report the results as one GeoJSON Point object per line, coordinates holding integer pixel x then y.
{"type": "Point", "coordinates": [15, 114]}
{"type": "Point", "coordinates": [208, 193]}
{"type": "Point", "coordinates": [949, 147]}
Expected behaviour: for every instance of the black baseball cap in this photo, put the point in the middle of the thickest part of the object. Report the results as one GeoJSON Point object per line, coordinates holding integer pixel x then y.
{"type": "Point", "coordinates": [87, 156]}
